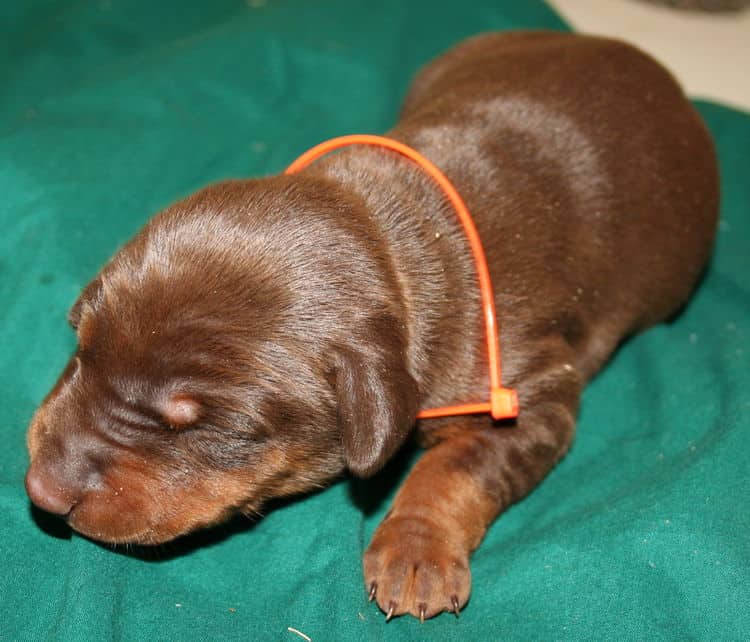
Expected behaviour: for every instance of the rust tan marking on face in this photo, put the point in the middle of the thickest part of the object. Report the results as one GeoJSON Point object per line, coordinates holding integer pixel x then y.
{"type": "Point", "coordinates": [129, 507]}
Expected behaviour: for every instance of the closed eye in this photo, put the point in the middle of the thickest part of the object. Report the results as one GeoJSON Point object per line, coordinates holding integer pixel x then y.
{"type": "Point", "coordinates": [135, 418]}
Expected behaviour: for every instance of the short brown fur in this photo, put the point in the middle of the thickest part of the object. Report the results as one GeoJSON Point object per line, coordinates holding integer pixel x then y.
{"type": "Point", "coordinates": [301, 321]}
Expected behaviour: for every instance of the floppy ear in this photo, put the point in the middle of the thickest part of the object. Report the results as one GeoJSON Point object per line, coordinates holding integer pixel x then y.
{"type": "Point", "coordinates": [377, 401]}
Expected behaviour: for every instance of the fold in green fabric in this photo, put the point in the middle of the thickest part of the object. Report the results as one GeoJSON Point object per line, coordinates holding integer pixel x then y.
{"type": "Point", "coordinates": [109, 110]}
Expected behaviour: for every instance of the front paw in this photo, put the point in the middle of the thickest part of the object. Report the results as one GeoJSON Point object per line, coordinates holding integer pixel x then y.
{"type": "Point", "coordinates": [415, 565]}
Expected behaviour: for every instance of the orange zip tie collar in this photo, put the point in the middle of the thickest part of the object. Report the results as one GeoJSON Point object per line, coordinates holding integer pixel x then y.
{"type": "Point", "coordinates": [503, 403]}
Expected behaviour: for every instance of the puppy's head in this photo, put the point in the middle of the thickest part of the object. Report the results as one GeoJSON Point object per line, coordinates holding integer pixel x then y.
{"type": "Point", "coordinates": [246, 344]}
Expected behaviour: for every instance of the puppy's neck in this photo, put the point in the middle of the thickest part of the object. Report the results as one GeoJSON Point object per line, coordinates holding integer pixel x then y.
{"type": "Point", "coordinates": [431, 260]}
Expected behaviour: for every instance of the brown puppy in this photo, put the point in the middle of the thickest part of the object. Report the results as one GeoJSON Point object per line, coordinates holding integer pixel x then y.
{"type": "Point", "coordinates": [261, 336]}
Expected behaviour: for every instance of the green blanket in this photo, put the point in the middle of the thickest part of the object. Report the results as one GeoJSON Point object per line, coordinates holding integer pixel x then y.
{"type": "Point", "coordinates": [109, 110]}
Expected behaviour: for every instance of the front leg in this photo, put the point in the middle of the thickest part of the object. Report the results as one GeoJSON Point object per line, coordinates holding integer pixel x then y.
{"type": "Point", "coordinates": [418, 560]}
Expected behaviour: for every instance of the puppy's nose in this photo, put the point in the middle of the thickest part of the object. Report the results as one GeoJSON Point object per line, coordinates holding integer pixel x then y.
{"type": "Point", "coordinates": [46, 493]}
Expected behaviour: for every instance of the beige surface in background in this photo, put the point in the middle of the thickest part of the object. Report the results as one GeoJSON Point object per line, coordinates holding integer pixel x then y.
{"type": "Point", "coordinates": [708, 52]}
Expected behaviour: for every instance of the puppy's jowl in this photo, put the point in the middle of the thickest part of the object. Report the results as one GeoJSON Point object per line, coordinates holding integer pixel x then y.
{"type": "Point", "coordinates": [262, 336]}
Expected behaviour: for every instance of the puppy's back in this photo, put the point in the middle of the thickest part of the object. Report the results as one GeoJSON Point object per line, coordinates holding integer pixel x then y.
{"type": "Point", "coordinates": [597, 160]}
